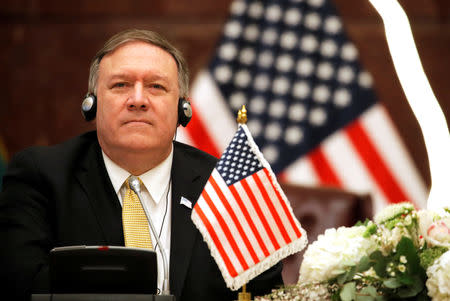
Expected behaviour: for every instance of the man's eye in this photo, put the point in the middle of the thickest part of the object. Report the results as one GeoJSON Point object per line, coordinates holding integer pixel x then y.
{"type": "Point", "coordinates": [119, 85]}
{"type": "Point", "coordinates": [157, 86]}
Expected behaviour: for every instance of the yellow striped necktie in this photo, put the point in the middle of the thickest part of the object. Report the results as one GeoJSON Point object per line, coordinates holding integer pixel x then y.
{"type": "Point", "coordinates": [135, 223]}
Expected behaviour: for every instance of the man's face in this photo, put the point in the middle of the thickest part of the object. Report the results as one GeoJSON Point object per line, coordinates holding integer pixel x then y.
{"type": "Point", "coordinates": [137, 97]}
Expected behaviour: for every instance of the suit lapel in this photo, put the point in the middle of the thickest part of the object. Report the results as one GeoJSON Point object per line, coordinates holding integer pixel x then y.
{"type": "Point", "coordinates": [94, 180]}
{"type": "Point", "coordinates": [187, 182]}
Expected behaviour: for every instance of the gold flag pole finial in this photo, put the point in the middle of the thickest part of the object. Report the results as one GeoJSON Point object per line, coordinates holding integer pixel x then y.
{"type": "Point", "coordinates": [242, 115]}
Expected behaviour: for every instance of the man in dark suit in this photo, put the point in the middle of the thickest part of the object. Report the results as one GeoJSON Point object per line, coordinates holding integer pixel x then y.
{"type": "Point", "coordinates": [73, 193]}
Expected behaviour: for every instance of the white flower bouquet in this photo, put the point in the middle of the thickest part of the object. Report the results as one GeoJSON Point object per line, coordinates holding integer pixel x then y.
{"type": "Point", "coordinates": [403, 254]}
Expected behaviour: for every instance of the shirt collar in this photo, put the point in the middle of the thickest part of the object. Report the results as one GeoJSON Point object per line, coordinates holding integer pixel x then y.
{"type": "Point", "coordinates": [155, 180]}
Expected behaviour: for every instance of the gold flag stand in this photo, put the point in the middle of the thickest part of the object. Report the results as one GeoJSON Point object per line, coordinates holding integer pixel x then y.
{"type": "Point", "coordinates": [244, 295]}
{"type": "Point", "coordinates": [242, 119]}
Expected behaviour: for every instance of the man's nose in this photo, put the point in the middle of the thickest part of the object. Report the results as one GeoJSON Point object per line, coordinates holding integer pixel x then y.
{"type": "Point", "coordinates": [138, 99]}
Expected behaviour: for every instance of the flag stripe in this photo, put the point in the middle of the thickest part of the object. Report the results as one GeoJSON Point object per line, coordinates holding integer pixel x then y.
{"type": "Point", "coordinates": [219, 231]}
{"type": "Point", "coordinates": [381, 131]}
{"type": "Point", "coordinates": [277, 202]}
{"type": "Point", "coordinates": [199, 134]}
{"type": "Point", "coordinates": [323, 168]}
{"type": "Point", "coordinates": [255, 217]}
{"type": "Point", "coordinates": [242, 219]}
{"type": "Point", "coordinates": [351, 168]}
{"type": "Point", "coordinates": [212, 110]}
{"type": "Point", "coordinates": [375, 163]}
{"type": "Point", "coordinates": [221, 208]}
{"type": "Point", "coordinates": [267, 213]}
{"type": "Point", "coordinates": [348, 164]}
{"type": "Point", "coordinates": [272, 209]}
{"type": "Point", "coordinates": [285, 208]}
{"type": "Point", "coordinates": [234, 218]}
{"type": "Point", "coordinates": [249, 220]}
{"type": "Point", "coordinates": [301, 172]}
{"type": "Point", "coordinates": [215, 239]}
{"type": "Point", "coordinates": [223, 225]}
{"type": "Point", "coordinates": [258, 210]}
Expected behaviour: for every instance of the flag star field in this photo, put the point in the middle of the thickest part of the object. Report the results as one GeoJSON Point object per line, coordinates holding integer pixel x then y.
{"type": "Point", "coordinates": [291, 63]}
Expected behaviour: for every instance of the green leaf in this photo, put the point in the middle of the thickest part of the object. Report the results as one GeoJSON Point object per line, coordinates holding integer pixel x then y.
{"type": "Point", "coordinates": [379, 263]}
{"type": "Point", "coordinates": [341, 278]}
{"type": "Point", "coordinates": [391, 223]}
{"type": "Point", "coordinates": [368, 293]}
{"type": "Point", "coordinates": [348, 292]}
{"type": "Point", "coordinates": [423, 296]}
{"type": "Point", "coordinates": [360, 223]}
{"type": "Point", "coordinates": [412, 290]}
{"type": "Point", "coordinates": [364, 264]}
{"type": "Point", "coordinates": [406, 247]}
{"type": "Point", "coordinates": [405, 279]}
{"type": "Point", "coordinates": [347, 276]}
{"type": "Point", "coordinates": [372, 229]}
{"type": "Point", "coordinates": [351, 273]}
{"type": "Point", "coordinates": [369, 290]}
{"type": "Point", "coordinates": [392, 283]}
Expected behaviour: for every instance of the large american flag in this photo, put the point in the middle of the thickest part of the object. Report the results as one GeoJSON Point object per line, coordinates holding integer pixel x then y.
{"type": "Point", "coordinates": [311, 106]}
{"type": "Point", "coordinates": [243, 214]}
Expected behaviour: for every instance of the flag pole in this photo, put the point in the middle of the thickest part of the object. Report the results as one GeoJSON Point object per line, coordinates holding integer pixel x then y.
{"type": "Point", "coordinates": [242, 119]}
{"type": "Point", "coordinates": [244, 295]}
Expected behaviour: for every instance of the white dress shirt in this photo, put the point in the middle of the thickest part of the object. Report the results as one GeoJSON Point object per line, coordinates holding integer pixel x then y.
{"type": "Point", "coordinates": [156, 197]}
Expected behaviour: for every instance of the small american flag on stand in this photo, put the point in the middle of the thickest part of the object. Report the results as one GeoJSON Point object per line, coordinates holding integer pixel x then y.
{"type": "Point", "coordinates": [243, 214]}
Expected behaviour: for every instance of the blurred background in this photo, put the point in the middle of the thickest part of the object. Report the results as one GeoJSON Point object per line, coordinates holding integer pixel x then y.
{"type": "Point", "coordinates": [46, 47]}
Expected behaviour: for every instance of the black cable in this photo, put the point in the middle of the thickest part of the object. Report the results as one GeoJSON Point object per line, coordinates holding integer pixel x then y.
{"type": "Point", "coordinates": [165, 211]}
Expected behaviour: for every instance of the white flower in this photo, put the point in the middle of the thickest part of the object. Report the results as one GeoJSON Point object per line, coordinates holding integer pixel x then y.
{"type": "Point", "coordinates": [333, 252]}
{"type": "Point", "coordinates": [438, 283]}
{"type": "Point", "coordinates": [393, 211]}
{"type": "Point", "coordinates": [408, 220]}
{"type": "Point", "coordinates": [390, 238]}
{"type": "Point", "coordinates": [435, 228]}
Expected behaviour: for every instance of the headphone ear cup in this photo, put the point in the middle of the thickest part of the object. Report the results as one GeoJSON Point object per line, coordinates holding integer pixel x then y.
{"type": "Point", "coordinates": [184, 111]}
{"type": "Point", "coordinates": [89, 107]}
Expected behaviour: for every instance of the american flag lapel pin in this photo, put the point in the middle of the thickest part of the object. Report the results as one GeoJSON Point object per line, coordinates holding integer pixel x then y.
{"type": "Point", "coordinates": [184, 201]}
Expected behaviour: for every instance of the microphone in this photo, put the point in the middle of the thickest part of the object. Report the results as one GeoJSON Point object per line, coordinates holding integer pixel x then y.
{"type": "Point", "coordinates": [135, 185]}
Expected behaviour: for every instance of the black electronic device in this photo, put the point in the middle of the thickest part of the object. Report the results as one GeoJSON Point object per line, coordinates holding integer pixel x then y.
{"type": "Point", "coordinates": [102, 269]}
{"type": "Point", "coordinates": [184, 111]}
{"type": "Point", "coordinates": [89, 107]}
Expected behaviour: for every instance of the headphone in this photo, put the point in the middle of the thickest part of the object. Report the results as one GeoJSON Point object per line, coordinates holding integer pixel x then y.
{"type": "Point", "coordinates": [89, 109]}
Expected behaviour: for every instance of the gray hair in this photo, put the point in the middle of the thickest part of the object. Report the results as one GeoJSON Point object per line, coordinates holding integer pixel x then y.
{"type": "Point", "coordinates": [146, 36]}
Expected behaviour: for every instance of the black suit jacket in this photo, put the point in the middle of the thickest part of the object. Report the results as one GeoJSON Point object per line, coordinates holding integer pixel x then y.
{"type": "Point", "coordinates": [61, 195]}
